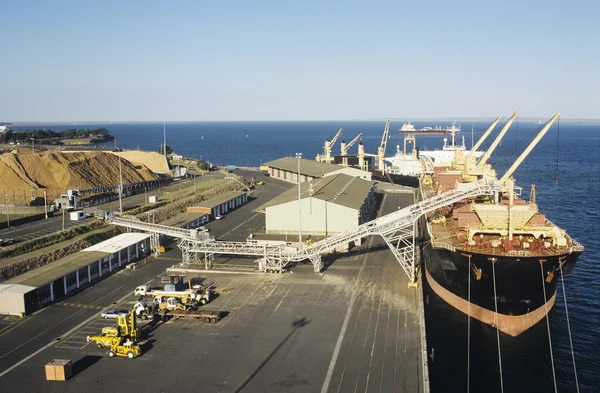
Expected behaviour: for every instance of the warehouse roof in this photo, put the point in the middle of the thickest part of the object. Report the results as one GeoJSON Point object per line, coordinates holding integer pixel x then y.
{"type": "Point", "coordinates": [220, 199]}
{"type": "Point", "coordinates": [340, 189]}
{"type": "Point", "coordinates": [52, 271]}
{"type": "Point", "coordinates": [307, 167]}
{"type": "Point", "coordinates": [118, 242]}
{"type": "Point", "coordinates": [15, 288]}
{"type": "Point", "coordinates": [183, 218]}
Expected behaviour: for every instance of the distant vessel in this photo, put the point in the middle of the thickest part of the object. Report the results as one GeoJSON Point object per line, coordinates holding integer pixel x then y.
{"type": "Point", "coordinates": [406, 167]}
{"type": "Point", "coordinates": [410, 129]}
{"type": "Point", "coordinates": [407, 128]}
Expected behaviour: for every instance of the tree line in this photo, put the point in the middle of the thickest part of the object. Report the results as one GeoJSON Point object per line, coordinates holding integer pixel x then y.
{"type": "Point", "coordinates": [49, 136]}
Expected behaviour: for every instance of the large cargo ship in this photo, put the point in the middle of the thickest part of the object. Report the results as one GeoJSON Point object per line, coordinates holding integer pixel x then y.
{"type": "Point", "coordinates": [409, 164]}
{"type": "Point", "coordinates": [497, 259]}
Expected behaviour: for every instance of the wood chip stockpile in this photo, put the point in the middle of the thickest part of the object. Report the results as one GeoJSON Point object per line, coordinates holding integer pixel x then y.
{"type": "Point", "coordinates": [58, 172]}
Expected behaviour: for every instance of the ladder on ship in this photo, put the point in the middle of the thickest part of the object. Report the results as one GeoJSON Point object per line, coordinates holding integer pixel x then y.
{"type": "Point", "coordinates": [398, 229]}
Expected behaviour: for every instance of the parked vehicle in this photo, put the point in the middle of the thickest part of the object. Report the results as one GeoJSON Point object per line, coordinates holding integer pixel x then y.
{"type": "Point", "coordinates": [113, 314]}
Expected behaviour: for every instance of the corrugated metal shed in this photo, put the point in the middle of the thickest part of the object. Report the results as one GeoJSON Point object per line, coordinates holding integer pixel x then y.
{"type": "Point", "coordinates": [307, 167]}
{"type": "Point", "coordinates": [220, 199]}
{"type": "Point", "coordinates": [340, 189]}
{"type": "Point", "coordinates": [118, 243]}
{"type": "Point", "coordinates": [55, 270]}
{"type": "Point", "coordinates": [183, 218]}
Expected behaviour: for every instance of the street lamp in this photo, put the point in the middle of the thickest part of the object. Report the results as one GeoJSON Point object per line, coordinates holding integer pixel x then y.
{"type": "Point", "coordinates": [299, 157]}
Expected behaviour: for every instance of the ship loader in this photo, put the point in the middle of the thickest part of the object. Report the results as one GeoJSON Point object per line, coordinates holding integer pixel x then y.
{"type": "Point", "coordinates": [122, 339]}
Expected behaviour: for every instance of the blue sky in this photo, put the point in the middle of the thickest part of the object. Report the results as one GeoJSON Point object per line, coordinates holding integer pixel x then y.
{"type": "Point", "coordinates": [297, 60]}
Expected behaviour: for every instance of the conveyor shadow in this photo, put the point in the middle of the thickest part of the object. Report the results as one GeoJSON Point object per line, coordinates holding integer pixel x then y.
{"type": "Point", "coordinates": [297, 324]}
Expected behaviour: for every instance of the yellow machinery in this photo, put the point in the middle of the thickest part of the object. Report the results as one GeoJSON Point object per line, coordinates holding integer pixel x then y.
{"type": "Point", "coordinates": [122, 339]}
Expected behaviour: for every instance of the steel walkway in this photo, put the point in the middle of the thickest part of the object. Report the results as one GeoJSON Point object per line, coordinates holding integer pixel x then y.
{"type": "Point", "coordinates": [398, 229]}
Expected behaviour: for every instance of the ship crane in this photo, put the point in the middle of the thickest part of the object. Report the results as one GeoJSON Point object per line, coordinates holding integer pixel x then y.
{"type": "Point", "coordinates": [529, 148]}
{"type": "Point", "coordinates": [382, 146]}
{"type": "Point", "coordinates": [496, 142]}
{"type": "Point", "coordinates": [484, 136]}
{"type": "Point", "coordinates": [326, 157]}
{"type": "Point", "coordinates": [347, 146]}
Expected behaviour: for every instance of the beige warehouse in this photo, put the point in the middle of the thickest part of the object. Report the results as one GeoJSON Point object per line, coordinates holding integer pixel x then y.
{"type": "Point", "coordinates": [330, 205]}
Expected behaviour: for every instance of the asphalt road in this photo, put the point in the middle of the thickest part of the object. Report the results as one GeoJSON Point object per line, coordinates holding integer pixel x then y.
{"type": "Point", "coordinates": [354, 327]}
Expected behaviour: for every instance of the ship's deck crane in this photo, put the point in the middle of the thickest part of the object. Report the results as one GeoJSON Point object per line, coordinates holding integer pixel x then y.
{"type": "Point", "coordinates": [484, 136]}
{"type": "Point", "coordinates": [529, 148]}
{"type": "Point", "coordinates": [326, 157]}
{"type": "Point", "coordinates": [496, 142]}
{"type": "Point", "coordinates": [382, 146]}
{"type": "Point", "coordinates": [345, 146]}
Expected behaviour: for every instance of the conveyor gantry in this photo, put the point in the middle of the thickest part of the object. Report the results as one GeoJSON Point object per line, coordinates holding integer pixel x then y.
{"type": "Point", "coordinates": [398, 229]}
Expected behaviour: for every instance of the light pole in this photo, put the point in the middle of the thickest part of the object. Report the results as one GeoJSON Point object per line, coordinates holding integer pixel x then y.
{"type": "Point", "coordinates": [120, 188]}
{"type": "Point", "coordinates": [7, 213]}
{"type": "Point", "coordinates": [33, 145]}
{"type": "Point", "coordinates": [45, 206]}
{"type": "Point", "coordinates": [165, 139]}
{"type": "Point", "coordinates": [299, 157]}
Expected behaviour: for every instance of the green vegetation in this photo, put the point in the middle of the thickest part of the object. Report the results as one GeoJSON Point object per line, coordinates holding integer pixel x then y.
{"type": "Point", "coordinates": [169, 149]}
{"type": "Point", "coordinates": [48, 240]}
{"type": "Point", "coordinates": [202, 165]}
{"type": "Point", "coordinates": [48, 136]}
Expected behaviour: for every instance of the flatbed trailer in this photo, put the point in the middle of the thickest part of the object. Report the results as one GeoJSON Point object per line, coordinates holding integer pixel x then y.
{"type": "Point", "coordinates": [207, 316]}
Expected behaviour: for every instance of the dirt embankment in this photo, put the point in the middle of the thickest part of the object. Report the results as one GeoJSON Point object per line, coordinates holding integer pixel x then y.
{"type": "Point", "coordinates": [62, 171]}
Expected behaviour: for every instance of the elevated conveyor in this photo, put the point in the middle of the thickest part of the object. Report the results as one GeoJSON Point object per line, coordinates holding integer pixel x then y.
{"type": "Point", "coordinates": [398, 229]}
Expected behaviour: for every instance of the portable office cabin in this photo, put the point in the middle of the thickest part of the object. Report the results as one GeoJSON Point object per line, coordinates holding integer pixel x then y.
{"type": "Point", "coordinates": [16, 299]}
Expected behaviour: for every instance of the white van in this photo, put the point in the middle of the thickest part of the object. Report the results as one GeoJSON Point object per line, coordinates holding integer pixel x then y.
{"type": "Point", "coordinates": [142, 290]}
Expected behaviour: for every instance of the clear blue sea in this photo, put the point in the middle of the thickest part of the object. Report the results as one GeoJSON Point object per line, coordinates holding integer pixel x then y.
{"type": "Point", "coordinates": [573, 203]}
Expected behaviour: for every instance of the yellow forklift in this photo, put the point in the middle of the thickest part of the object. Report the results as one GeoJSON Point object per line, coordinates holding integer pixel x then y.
{"type": "Point", "coordinates": [122, 339]}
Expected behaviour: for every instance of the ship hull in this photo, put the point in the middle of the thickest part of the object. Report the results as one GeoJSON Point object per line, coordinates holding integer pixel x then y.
{"type": "Point", "coordinates": [525, 286]}
{"type": "Point", "coordinates": [403, 180]}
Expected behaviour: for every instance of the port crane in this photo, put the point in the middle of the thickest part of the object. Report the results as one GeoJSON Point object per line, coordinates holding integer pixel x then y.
{"type": "Point", "coordinates": [326, 157]}
{"type": "Point", "coordinates": [345, 147]}
{"type": "Point", "coordinates": [382, 146]}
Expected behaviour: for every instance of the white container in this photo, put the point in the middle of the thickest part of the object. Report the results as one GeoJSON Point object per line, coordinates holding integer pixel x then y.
{"type": "Point", "coordinates": [153, 198]}
{"type": "Point", "coordinates": [77, 215]}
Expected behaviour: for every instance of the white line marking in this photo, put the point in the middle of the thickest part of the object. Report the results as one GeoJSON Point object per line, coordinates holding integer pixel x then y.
{"type": "Point", "coordinates": [51, 343]}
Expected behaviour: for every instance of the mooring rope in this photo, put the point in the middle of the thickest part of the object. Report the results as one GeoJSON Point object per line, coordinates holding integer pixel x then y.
{"type": "Point", "coordinates": [469, 327]}
{"type": "Point", "coordinates": [548, 325]}
{"type": "Point", "coordinates": [496, 323]}
{"type": "Point", "coordinates": [562, 280]}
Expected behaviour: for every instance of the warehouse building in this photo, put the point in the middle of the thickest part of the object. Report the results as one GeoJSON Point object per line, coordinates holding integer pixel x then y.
{"type": "Point", "coordinates": [39, 287]}
{"type": "Point", "coordinates": [187, 220]}
{"type": "Point", "coordinates": [329, 205]}
{"type": "Point", "coordinates": [286, 168]}
{"type": "Point", "coordinates": [221, 204]}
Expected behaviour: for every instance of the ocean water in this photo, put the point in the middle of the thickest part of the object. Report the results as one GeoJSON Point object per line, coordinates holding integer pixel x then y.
{"type": "Point", "coordinates": [573, 203]}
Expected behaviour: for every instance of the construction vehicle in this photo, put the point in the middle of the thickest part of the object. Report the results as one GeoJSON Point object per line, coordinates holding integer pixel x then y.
{"type": "Point", "coordinates": [122, 339]}
{"type": "Point", "coordinates": [326, 157]}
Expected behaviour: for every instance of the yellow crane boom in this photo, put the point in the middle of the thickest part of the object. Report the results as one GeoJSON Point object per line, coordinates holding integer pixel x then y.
{"type": "Point", "coordinates": [485, 135]}
{"type": "Point", "coordinates": [491, 149]}
{"type": "Point", "coordinates": [529, 148]}
{"type": "Point", "coordinates": [345, 146]}
{"type": "Point", "coordinates": [382, 145]}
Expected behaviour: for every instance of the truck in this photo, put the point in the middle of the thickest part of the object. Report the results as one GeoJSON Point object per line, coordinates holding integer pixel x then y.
{"type": "Point", "coordinates": [207, 316]}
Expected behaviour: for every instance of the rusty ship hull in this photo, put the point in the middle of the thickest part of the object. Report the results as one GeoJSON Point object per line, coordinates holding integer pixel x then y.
{"type": "Point", "coordinates": [525, 286]}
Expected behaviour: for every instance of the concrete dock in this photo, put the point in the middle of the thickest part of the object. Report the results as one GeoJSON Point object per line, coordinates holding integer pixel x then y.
{"type": "Point", "coordinates": [355, 327]}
